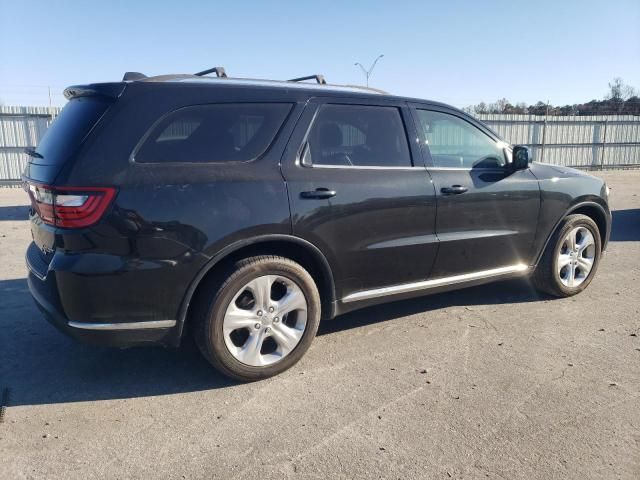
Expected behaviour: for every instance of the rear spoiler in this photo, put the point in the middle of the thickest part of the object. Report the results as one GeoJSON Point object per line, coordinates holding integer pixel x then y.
{"type": "Point", "coordinates": [107, 90]}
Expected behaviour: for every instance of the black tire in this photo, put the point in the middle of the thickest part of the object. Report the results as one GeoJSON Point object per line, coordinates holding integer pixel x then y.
{"type": "Point", "coordinates": [217, 293]}
{"type": "Point", "coordinates": [545, 277]}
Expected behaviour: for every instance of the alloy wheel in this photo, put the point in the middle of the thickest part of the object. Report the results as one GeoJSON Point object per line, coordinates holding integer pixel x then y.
{"type": "Point", "coordinates": [576, 257]}
{"type": "Point", "coordinates": [265, 320]}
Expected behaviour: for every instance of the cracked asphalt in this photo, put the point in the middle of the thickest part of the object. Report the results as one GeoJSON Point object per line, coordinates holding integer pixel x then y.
{"type": "Point", "coordinates": [489, 382]}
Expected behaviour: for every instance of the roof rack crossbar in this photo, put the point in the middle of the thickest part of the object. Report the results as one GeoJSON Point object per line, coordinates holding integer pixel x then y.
{"type": "Point", "coordinates": [317, 77]}
{"type": "Point", "coordinates": [219, 71]}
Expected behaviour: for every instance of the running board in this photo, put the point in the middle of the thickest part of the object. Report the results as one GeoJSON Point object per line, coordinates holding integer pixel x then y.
{"type": "Point", "coordinates": [438, 282]}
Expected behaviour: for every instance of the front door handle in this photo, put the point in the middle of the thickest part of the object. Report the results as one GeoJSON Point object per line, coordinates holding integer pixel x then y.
{"type": "Point", "coordinates": [319, 193]}
{"type": "Point", "coordinates": [454, 190]}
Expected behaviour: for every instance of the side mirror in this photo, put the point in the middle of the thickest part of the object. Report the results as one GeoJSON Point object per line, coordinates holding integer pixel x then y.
{"type": "Point", "coordinates": [521, 157]}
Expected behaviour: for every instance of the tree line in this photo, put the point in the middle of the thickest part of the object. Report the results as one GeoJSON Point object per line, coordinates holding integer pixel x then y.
{"type": "Point", "coordinates": [621, 99]}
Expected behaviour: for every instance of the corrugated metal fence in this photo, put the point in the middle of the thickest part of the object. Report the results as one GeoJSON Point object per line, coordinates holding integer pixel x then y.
{"type": "Point", "coordinates": [611, 141]}
{"type": "Point", "coordinates": [20, 127]}
{"type": "Point", "coordinates": [595, 142]}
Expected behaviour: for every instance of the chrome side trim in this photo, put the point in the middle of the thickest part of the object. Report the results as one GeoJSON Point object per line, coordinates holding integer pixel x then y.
{"type": "Point", "coordinates": [123, 326]}
{"type": "Point", "coordinates": [468, 169]}
{"type": "Point", "coordinates": [405, 241]}
{"type": "Point", "coordinates": [437, 282]}
{"type": "Point", "coordinates": [473, 234]}
{"type": "Point", "coordinates": [364, 167]}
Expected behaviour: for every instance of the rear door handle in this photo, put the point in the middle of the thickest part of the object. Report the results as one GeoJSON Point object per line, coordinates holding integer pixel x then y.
{"type": "Point", "coordinates": [453, 190]}
{"type": "Point", "coordinates": [319, 193]}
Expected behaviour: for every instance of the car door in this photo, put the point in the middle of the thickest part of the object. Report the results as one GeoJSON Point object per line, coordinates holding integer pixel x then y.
{"type": "Point", "coordinates": [359, 191]}
{"type": "Point", "coordinates": [487, 212]}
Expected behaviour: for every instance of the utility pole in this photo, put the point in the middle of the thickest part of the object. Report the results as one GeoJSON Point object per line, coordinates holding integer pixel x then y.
{"type": "Point", "coordinates": [544, 131]}
{"type": "Point", "coordinates": [50, 107]}
{"type": "Point", "coordinates": [367, 73]}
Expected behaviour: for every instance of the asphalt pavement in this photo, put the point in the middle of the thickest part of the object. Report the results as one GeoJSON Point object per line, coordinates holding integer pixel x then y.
{"type": "Point", "coordinates": [495, 381]}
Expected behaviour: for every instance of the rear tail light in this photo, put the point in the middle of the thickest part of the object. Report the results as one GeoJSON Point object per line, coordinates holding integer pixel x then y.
{"type": "Point", "coordinates": [70, 207]}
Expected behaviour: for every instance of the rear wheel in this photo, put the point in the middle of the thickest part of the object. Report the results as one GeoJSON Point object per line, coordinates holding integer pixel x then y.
{"type": "Point", "coordinates": [571, 257]}
{"type": "Point", "coordinates": [260, 319]}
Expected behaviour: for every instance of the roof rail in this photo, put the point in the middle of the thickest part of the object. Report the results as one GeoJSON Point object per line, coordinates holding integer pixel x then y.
{"type": "Point", "coordinates": [362, 87]}
{"type": "Point", "coordinates": [317, 77]}
{"type": "Point", "coordinates": [219, 71]}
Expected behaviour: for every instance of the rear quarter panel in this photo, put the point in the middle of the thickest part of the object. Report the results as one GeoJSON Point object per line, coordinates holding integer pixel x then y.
{"type": "Point", "coordinates": [167, 220]}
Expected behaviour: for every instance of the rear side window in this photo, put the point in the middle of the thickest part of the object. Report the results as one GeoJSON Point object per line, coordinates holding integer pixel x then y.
{"type": "Point", "coordinates": [359, 136]}
{"type": "Point", "coordinates": [213, 133]}
{"type": "Point", "coordinates": [69, 129]}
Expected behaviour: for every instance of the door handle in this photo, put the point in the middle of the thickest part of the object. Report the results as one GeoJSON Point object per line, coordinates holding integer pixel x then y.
{"type": "Point", "coordinates": [453, 190]}
{"type": "Point", "coordinates": [319, 193]}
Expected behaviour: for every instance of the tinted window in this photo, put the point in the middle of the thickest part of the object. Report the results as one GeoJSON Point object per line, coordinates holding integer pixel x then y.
{"type": "Point", "coordinates": [353, 135]}
{"type": "Point", "coordinates": [214, 133]}
{"type": "Point", "coordinates": [454, 142]}
{"type": "Point", "coordinates": [69, 129]}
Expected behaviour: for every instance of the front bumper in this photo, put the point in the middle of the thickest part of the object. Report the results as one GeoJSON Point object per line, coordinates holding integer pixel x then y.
{"type": "Point", "coordinates": [607, 237]}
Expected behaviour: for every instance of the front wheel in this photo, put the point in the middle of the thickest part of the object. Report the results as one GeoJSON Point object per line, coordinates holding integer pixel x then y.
{"type": "Point", "coordinates": [260, 319]}
{"type": "Point", "coordinates": [571, 257]}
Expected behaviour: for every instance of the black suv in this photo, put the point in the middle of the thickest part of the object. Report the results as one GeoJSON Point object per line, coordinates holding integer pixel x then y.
{"type": "Point", "coordinates": [244, 211]}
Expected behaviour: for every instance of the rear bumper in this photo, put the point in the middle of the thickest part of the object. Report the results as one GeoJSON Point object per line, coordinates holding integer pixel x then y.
{"type": "Point", "coordinates": [111, 334]}
{"type": "Point", "coordinates": [93, 299]}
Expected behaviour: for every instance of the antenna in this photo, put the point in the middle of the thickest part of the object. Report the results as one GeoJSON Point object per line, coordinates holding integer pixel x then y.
{"type": "Point", "coordinates": [133, 76]}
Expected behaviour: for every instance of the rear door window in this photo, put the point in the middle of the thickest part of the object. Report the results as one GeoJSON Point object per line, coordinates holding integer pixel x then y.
{"type": "Point", "coordinates": [68, 130]}
{"type": "Point", "coordinates": [358, 136]}
{"type": "Point", "coordinates": [236, 132]}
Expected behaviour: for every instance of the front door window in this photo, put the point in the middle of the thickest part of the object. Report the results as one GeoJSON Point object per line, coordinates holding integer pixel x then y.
{"type": "Point", "coordinates": [455, 143]}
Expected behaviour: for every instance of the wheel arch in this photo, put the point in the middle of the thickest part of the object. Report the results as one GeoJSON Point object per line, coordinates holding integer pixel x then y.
{"type": "Point", "coordinates": [591, 209]}
{"type": "Point", "coordinates": [294, 248]}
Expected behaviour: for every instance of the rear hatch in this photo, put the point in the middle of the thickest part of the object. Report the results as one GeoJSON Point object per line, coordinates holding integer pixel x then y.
{"type": "Point", "coordinates": [86, 106]}
{"type": "Point", "coordinates": [55, 206]}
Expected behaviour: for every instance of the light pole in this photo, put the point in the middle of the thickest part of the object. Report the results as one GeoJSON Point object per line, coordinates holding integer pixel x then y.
{"type": "Point", "coordinates": [366, 72]}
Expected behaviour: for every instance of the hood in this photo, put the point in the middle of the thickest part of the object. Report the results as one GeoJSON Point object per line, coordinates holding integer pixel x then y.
{"type": "Point", "coordinates": [546, 170]}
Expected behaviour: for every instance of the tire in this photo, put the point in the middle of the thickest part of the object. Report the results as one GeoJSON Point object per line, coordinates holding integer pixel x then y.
{"type": "Point", "coordinates": [553, 274]}
{"type": "Point", "coordinates": [238, 352]}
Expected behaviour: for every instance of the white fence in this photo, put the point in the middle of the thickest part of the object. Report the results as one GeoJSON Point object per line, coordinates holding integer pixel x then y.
{"type": "Point", "coordinates": [583, 142]}
{"type": "Point", "coordinates": [20, 127]}
{"type": "Point", "coordinates": [591, 142]}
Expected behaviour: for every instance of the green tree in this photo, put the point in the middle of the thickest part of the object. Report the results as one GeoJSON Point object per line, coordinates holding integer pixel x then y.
{"type": "Point", "coordinates": [480, 108]}
{"type": "Point", "coordinates": [615, 90]}
{"type": "Point", "coordinates": [539, 108]}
